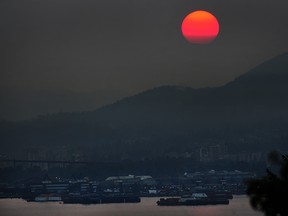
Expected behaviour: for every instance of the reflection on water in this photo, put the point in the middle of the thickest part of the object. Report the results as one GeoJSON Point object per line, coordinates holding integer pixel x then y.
{"type": "Point", "coordinates": [17, 207]}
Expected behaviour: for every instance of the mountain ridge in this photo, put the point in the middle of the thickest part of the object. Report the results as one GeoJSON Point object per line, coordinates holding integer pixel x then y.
{"type": "Point", "coordinates": [247, 114]}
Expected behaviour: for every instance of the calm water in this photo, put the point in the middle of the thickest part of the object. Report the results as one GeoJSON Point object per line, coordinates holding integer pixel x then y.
{"type": "Point", "coordinates": [17, 207]}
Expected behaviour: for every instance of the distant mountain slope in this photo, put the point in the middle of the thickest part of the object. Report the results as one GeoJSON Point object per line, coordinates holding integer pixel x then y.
{"type": "Point", "coordinates": [247, 114]}
{"type": "Point", "coordinates": [266, 81]}
{"type": "Point", "coordinates": [260, 93]}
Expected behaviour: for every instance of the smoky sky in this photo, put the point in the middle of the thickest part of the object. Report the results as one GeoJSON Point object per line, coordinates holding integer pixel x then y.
{"type": "Point", "coordinates": [67, 55]}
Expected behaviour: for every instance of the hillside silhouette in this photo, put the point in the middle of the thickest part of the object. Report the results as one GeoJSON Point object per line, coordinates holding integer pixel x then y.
{"type": "Point", "coordinates": [248, 114]}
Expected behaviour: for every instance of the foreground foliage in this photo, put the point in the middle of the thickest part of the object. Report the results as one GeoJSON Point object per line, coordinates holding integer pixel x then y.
{"type": "Point", "coordinates": [269, 194]}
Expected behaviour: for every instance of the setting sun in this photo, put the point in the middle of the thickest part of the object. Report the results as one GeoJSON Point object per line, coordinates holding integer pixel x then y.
{"type": "Point", "coordinates": [200, 27]}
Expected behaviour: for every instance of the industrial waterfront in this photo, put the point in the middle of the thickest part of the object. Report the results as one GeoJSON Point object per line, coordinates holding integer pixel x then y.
{"type": "Point", "coordinates": [116, 189]}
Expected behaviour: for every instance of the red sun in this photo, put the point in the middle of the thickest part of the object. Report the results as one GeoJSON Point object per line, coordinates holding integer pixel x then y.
{"type": "Point", "coordinates": [200, 27]}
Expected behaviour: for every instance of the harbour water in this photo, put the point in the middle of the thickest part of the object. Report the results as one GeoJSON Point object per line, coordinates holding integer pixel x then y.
{"type": "Point", "coordinates": [238, 206]}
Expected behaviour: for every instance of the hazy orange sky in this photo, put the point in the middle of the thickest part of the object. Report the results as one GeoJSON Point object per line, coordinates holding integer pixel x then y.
{"type": "Point", "coordinates": [68, 55]}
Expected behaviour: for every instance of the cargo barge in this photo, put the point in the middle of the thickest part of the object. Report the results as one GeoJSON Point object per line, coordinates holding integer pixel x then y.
{"type": "Point", "coordinates": [94, 199]}
{"type": "Point", "coordinates": [193, 200]}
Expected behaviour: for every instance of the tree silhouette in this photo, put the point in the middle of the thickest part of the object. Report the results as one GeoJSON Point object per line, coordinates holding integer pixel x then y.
{"type": "Point", "coordinates": [270, 193]}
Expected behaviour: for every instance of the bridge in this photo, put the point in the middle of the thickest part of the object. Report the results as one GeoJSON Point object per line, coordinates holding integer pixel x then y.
{"type": "Point", "coordinates": [14, 162]}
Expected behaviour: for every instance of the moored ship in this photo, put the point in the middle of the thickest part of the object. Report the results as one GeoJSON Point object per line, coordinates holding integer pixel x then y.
{"type": "Point", "coordinates": [94, 199]}
{"type": "Point", "coordinates": [47, 198]}
{"type": "Point", "coordinates": [193, 200]}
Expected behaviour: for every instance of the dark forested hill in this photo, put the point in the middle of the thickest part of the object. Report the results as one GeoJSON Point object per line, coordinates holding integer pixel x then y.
{"type": "Point", "coordinates": [248, 114]}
